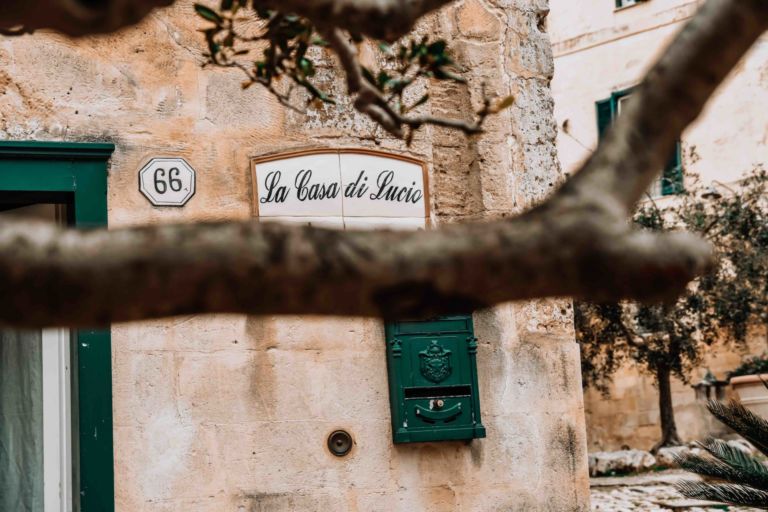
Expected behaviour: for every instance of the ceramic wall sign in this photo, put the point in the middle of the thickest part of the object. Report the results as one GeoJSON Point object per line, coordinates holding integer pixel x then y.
{"type": "Point", "coordinates": [167, 181]}
{"type": "Point", "coordinates": [350, 188]}
{"type": "Point", "coordinates": [381, 186]}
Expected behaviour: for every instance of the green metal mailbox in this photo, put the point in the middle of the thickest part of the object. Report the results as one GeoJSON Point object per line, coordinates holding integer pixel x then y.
{"type": "Point", "coordinates": [433, 380]}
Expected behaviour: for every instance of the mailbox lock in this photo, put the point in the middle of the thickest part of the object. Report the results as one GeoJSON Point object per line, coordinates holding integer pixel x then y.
{"type": "Point", "coordinates": [437, 404]}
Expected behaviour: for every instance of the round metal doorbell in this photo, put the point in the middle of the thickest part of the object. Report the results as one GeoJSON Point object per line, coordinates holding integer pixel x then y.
{"type": "Point", "coordinates": [167, 181]}
{"type": "Point", "coordinates": [340, 443]}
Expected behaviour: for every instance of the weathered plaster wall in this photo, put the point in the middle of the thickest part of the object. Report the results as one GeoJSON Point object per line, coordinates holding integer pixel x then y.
{"type": "Point", "coordinates": [599, 50]}
{"type": "Point", "coordinates": [221, 412]}
{"type": "Point", "coordinates": [630, 415]}
{"type": "Point", "coordinates": [610, 50]}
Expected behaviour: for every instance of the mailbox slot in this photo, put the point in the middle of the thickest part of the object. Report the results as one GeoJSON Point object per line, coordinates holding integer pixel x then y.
{"type": "Point", "coordinates": [433, 380]}
{"type": "Point", "coordinates": [438, 392]}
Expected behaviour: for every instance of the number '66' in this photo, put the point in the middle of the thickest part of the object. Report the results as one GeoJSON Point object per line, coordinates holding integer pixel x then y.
{"type": "Point", "coordinates": [163, 181]}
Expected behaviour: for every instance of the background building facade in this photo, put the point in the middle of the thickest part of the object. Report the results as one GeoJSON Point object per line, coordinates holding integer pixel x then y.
{"type": "Point", "coordinates": [602, 49]}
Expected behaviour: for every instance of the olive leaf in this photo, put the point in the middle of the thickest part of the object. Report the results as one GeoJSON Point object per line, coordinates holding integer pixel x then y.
{"type": "Point", "coordinates": [209, 14]}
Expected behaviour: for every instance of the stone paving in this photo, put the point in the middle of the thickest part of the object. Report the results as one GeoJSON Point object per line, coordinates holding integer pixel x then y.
{"type": "Point", "coordinates": [649, 493]}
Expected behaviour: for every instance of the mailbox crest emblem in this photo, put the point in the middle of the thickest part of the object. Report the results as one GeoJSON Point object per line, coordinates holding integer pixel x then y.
{"type": "Point", "coordinates": [435, 362]}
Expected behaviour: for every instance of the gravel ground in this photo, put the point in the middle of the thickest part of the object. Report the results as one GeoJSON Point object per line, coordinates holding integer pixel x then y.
{"type": "Point", "coordinates": [648, 493]}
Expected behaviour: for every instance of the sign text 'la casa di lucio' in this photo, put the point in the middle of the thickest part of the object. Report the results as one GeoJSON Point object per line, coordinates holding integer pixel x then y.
{"type": "Point", "coordinates": [340, 183]}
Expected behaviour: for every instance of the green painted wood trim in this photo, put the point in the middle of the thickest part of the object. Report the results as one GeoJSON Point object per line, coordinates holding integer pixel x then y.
{"type": "Point", "coordinates": [607, 110]}
{"type": "Point", "coordinates": [604, 110]}
{"type": "Point", "coordinates": [96, 462]}
{"type": "Point", "coordinates": [672, 181]}
{"type": "Point", "coordinates": [79, 170]}
{"type": "Point", "coordinates": [35, 149]}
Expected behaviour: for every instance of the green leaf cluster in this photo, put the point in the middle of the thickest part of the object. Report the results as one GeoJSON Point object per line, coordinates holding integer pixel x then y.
{"type": "Point", "coordinates": [409, 61]}
{"type": "Point", "coordinates": [284, 41]}
{"type": "Point", "coordinates": [754, 365]}
{"type": "Point", "coordinates": [721, 306]}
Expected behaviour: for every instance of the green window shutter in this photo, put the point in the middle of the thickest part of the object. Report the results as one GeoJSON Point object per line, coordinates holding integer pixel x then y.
{"type": "Point", "coordinates": [604, 116]}
{"type": "Point", "coordinates": [672, 178]}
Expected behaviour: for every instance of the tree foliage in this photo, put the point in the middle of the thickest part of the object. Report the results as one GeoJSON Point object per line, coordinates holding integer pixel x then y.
{"type": "Point", "coordinates": [754, 365]}
{"type": "Point", "coordinates": [282, 52]}
{"type": "Point", "coordinates": [721, 305]}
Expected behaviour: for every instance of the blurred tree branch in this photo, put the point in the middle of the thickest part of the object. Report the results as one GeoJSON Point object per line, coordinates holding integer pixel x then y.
{"type": "Point", "coordinates": [577, 243]}
{"type": "Point", "coordinates": [381, 19]}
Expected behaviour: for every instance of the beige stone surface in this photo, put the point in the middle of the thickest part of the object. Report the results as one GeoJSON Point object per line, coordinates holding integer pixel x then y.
{"type": "Point", "coordinates": [629, 416]}
{"type": "Point", "coordinates": [231, 413]}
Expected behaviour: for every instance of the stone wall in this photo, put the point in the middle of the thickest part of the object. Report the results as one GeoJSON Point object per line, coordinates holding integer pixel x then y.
{"type": "Point", "coordinates": [616, 46]}
{"type": "Point", "coordinates": [629, 416]}
{"type": "Point", "coordinates": [216, 413]}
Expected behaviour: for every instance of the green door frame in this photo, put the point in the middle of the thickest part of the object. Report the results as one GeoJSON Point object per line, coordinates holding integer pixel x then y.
{"type": "Point", "coordinates": [77, 172]}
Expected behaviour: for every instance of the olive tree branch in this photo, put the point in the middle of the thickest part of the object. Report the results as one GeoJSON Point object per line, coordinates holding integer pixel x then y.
{"type": "Point", "coordinates": [283, 99]}
{"type": "Point", "coordinates": [372, 102]}
{"type": "Point", "coordinates": [381, 19]}
{"type": "Point", "coordinates": [577, 243]}
{"type": "Point", "coordinates": [285, 40]}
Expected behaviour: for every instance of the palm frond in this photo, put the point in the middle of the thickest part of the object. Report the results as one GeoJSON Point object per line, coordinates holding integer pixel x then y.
{"type": "Point", "coordinates": [708, 467]}
{"type": "Point", "coordinates": [754, 472]}
{"type": "Point", "coordinates": [730, 467]}
{"type": "Point", "coordinates": [726, 493]}
{"type": "Point", "coordinates": [751, 427]}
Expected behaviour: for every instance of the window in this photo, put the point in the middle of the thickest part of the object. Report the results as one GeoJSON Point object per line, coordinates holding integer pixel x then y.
{"type": "Point", "coordinates": [56, 390]}
{"type": "Point", "coordinates": [627, 3]}
{"type": "Point", "coordinates": [671, 181]}
{"type": "Point", "coordinates": [35, 400]}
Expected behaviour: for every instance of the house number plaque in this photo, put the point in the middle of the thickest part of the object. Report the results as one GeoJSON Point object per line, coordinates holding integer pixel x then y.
{"type": "Point", "coordinates": [167, 181]}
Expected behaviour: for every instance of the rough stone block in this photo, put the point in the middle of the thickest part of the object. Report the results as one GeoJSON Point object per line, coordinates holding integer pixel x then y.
{"type": "Point", "coordinates": [475, 20]}
{"type": "Point", "coordinates": [621, 462]}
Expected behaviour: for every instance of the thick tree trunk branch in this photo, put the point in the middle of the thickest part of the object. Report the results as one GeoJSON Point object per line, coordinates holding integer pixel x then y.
{"type": "Point", "coordinates": [380, 19]}
{"type": "Point", "coordinates": [55, 277]}
{"type": "Point", "coordinates": [578, 243]}
{"type": "Point", "coordinates": [75, 17]}
{"type": "Point", "coordinates": [669, 435]}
